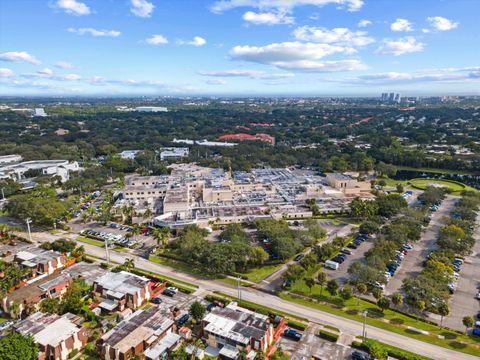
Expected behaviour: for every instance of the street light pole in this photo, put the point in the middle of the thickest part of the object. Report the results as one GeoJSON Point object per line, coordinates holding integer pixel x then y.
{"type": "Point", "coordinates": [365, 313]}
{"type": "Point", "coordinates": [28, 221]}
{"type": "Point", "coordinates": [3, 195]}
{"type": "Point", "coordinates": [239, 289]}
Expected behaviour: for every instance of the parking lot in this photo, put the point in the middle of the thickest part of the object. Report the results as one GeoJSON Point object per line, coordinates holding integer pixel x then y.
{"type": "Point", "coordinates": [358, 254]}
{"type": "Point", "coordinates": [463, 301]}
{"type": "Point", "coordinates": [412, 264]}
{"type": "Point", "coordinates": [311, 345]}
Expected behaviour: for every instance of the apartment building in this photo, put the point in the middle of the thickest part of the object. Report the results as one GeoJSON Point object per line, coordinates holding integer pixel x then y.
{"type": "Point", "coordinates": [56, 336]}
{"type": "Point", "coordinates": [121, 290]}
{"type": "Point", "coordinates": [41, 261]}
{"type": "Point", "coordinates": [233, 328]}
{"type": "Point", "coordinates": [137, 333]}
{"type": "Point", "coordinates": [347, 184]}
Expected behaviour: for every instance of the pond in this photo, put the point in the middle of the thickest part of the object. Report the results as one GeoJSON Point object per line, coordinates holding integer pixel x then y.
{"type": "Point", "coordinates": [470, 180]}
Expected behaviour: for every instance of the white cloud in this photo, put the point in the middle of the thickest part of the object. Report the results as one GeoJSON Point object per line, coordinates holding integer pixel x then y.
{"type": "Point", "coordinates": [64, 65]}
{"type": "Point", "coordinates": [298, 56]}
{"type": "Point", "coordinates": [72, 77]}
{"type": "Point", "coordinates": [422, 76]}
{"type": "Point", "coordinates": [4, 72]}
{"type": "Point", "coordinates": [19, 56]}
{"type": "Point", "coordinates": [400, 46]}
{"type": "Point", "coordinates": [268, 18]}
{"type": "Point", "coordinates": [364, 23]}
{"type": "Point", "coordinates": [283, 5]}
{"type": "Point", "coordinates": [442, 24]}
{"type": "Point", "coordinates": [73, 7]}
{"type": "Point", "coordinates": [141, 8]}
{"type": "Point", "coordinates": [253, 74]}
{"type": "Point", "coordinates": [196, 41]}
{"type": "Point", "coordinates": [95, 32]}
{"type": "Point", "coordinates": [46, 72]}
{"type": "Point", "coordinates": [215, 82]}
{"type": "Point", "coordinates": [340, 36]}
{"type": "Point", "coordinates": [401, 25]}
{"type": "Point", "coordinates": [157, 40]}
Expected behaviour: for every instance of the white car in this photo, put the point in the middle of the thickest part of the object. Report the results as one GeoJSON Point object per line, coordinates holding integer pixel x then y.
{"type": "Point", "coordinates": [6, 325]}
{"type": "Point", "coordinates": [173, 289]}
{"type": "Point", "coordinates": [478, 296]}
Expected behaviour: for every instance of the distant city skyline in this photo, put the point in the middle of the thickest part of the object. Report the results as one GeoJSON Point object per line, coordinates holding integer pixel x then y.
{"type": "Point", "coordinates": [239, 47]}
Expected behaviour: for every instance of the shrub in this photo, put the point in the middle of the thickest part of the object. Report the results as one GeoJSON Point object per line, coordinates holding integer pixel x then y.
{"type": "Point", "coordinates": [327, 335]}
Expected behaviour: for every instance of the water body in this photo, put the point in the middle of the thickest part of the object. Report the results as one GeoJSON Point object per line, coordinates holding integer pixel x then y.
{"type": "Point", "coordinates": [470, 180]}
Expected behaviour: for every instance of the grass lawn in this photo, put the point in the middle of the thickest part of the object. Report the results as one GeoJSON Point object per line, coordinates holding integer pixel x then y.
{"type": "Point", "coordinates": [90, 241]}
{"type": "Point", "coordinates": [437, 171]}
{"type": "Point", "coordinates": [260, 273]}
{"type": "Point", "coordinates": [234, 282]}
{"type": "Point", "coordinates": [120, 249]}
{"type": "Point", "coordinates": [455, 186]}
{"type": "Point", "coordinates": [2, 319]}
{"type": "Point", "coordinates": [388, 320]}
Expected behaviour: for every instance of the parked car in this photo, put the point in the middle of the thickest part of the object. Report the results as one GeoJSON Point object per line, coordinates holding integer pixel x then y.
{"type": "Point", "coordinates": [292, 334]}
{"type": "Point", "coordinates": [157, 300]}
{"type": "Point", "coordinates": [169, 293]}
{"type": "Point", "coordinates": [6, 325]}
{"type": "Point", "coordinates": [346, 252]}
{"type": "Point", "coordinates": [182, 319]}
{"type": "Point", "coordinates": [172, 289]}
{"type": "Point", "coordinates": [358, 355]}
{"type": "Point", "coordinates": [299, 257]}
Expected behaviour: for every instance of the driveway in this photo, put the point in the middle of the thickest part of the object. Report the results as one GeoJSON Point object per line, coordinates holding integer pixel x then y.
{"type": "Point", "coordinates": [412, 265]}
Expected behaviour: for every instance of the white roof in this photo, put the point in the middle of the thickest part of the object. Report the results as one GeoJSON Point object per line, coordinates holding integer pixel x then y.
{"type": "Point", "coordinates": [165, 343]}
{"type": "Point", "coordinates": [56, 332]}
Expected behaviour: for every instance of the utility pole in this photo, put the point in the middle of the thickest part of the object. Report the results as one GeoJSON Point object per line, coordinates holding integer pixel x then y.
{"type": "Point", "coordinates": [28, 221]}
{"type": "Point", "coordinates": [3, 195]}
{"type": "Point", "coordinates": [364, 334]}
{"type": "Point", "coordinates": [107, 255]}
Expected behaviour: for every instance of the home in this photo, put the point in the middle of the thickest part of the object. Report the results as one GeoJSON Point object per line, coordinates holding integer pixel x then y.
{"type": "Point", "coordinates": [34, 291]}
{"type": "Point", "coordinates": [56, 336]}
{"type": "Point", "coordinates": [121, 290]}
{"type": "Point", "coordinates": [41, 261]}
{"type": "Point", "coordinates": [233, 328]}
{"type": "Point", "coordinates": [137, 333]}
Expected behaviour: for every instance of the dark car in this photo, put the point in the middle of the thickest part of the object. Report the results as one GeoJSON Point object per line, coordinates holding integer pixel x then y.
{"type": "Point", "coordinates": [211, 306]}
{"type": "Point", "coordinates": [157, 300]}
{"type": "Point", "coordinates": [183, 319]}
{"type": "Point", "coordinates": [292, 334]}
{"type": "Point", "coordinates": [169, 293]}
{"type": "Point", "coordinates": [358, 355]}
{"type": "Point", "coordinates": [352, 245]}
{"type": "Point", "coordinates": [346, 252]}
{"type": "Point", "coordinates": [299, 257]}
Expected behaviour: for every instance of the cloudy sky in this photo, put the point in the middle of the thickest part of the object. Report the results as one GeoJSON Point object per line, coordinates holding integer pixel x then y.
{"type": "Point", "coordinates": [239, 47]}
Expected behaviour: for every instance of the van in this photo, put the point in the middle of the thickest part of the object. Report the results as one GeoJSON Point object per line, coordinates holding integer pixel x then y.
{"type": "Point", "coordinates": [331, 264]}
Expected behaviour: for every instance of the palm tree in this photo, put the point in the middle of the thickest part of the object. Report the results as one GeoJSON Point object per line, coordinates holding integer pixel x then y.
{"type": "Point", "coordinates": [14, 310]}
{"type": "Point", "coordinates": [129, 264]}
{"type": "Point", "coordinates": [78, 252]}
{"type": "Point", "coordinates": [135, 231]}
{"type": "Point", "coordinates": [161, 235]}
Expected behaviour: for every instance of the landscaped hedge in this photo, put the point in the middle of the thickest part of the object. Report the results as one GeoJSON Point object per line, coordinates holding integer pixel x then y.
{"type": "Point", "coordinates": [327, 335]}
{"type": "Point", "coordinates": [296, 325]}
{"type": "Point", "coordinates": [392, 351]}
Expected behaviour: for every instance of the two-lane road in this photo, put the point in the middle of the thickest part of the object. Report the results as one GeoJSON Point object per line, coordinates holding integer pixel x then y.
{"type": "Point", "coordinates": [345, 325]}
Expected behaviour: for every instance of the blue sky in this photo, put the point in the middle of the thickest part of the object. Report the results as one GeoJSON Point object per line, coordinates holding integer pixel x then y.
{"type": "Point", "coordinates": [239, 47]}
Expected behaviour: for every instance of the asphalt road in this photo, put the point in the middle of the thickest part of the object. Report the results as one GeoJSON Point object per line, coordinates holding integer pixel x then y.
{"type": "Point", "coordinates": [316, 316]}
{"type": "Point", "coordinates": [412, 265]}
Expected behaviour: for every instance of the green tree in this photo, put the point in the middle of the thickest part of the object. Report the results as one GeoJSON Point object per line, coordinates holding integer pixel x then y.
{"type": "Point", "coordinates": [50, 306]}
{"type": "Point", "coordinates": [161, 236]}
{"type": "Point", "coordinates": [197, 310]}
{"type": "Point", "coordinates": [294, 272]}
{"type": "Point", "coordinates": [400, 188]}
{"type": "Point", "coordinates": [332, 286]}
{"type": "Point", "coordinates": [310, 282]}
{"type": "Point", "coordinates": [321, 280]}
{"type": "Point", "coordinates": [383, 303]}
{"type": "Point", "coordinates": [346, 292]}
{"type": "Point", "coordinates": [443, 310]}
{"type": "Point", "coordinates": [468, 322]}
{"type": "Point", "coordinates": [376, 349]}
{"type": "Point", "coordinates": [420, 306]}
{"type": "Point", "coordinates": [397, 299]}
{"type": "Point", "coordinates": [377, 293]}
{"type": "Point", "coordinates": [16, 346]}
